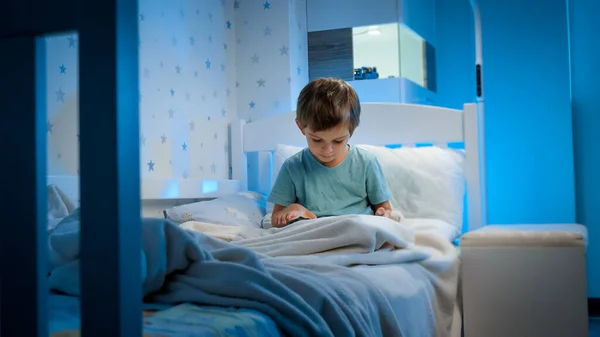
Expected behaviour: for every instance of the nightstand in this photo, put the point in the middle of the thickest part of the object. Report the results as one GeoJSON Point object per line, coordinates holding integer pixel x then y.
{"type": "Point", "coordinates": [525, 281]}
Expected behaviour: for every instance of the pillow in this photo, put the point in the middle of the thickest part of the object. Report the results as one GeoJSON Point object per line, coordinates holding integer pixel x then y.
{"type": "Point", "coordinates": [426, 182]}
{"type": "Point", "coordinates": [59, 205]}
{"type": "Point", "coordinates": [241, 209]}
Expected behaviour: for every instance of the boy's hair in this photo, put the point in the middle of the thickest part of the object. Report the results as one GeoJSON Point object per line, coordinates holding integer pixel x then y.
{"type": "Point", "coordinates": [324, 103]}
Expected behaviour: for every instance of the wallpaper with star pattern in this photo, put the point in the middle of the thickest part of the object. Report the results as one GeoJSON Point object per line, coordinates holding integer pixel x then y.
{"type": "Point", "coordinates": [202, 65]}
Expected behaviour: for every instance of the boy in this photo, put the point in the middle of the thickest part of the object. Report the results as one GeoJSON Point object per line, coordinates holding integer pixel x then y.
{"type": "Point", "coordinates": [329, 177]}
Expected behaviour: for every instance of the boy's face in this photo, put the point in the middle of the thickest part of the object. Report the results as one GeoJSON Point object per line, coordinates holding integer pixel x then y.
{"type": "Point", "coordinates": [328, 146]}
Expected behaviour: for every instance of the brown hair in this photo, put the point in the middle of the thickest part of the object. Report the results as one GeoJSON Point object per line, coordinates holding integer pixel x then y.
{"type": "Point", "coordinates": [326, 102]}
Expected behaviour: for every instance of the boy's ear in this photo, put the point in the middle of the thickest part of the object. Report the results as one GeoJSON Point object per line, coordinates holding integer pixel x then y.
{"type": "Point", "coordinates": [300, 127]}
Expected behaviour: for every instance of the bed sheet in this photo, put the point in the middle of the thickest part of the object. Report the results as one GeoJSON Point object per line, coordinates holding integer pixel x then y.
{"type": "Point", "coordinates": [171, 321]}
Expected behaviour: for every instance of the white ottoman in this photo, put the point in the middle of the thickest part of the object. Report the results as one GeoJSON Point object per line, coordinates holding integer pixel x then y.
{"type": "Point", "coordinates": [525, 281]}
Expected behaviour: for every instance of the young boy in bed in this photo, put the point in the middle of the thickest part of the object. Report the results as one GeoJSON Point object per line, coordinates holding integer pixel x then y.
{"type": "Point", "coordinates": [329, 177]}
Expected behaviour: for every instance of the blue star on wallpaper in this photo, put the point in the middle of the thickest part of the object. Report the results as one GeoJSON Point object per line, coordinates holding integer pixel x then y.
{"type": "Point", "coordinates": [63, 69]}
{"type": "Point", "coordinates": [151, 166]}
{"type": "Point", "coordinates": [284, 50]}
{"type": "Point", "coordinates": [208, 63]}
{"type": "Point", "coordinates": [60, 95]}
{"type": "Point", "coordinates": [261, 82]}
{"type": "Point", "coordinates": [267, 5]}
{"type": "Point", "coordinates": [71, 41]}
{"type": "Point", "coordinates": [184, 146]}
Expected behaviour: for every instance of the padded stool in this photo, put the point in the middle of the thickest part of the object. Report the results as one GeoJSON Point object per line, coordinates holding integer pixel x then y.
{"type": "Point", "coordinates": [525, 281]}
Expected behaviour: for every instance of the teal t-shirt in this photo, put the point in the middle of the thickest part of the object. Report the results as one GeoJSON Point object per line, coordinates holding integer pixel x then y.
{"type": "Point", "coordinates": [348, 188]}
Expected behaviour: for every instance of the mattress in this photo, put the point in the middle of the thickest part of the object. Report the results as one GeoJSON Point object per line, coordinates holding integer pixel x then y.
{"type": "Point", "coordinates": [171, 321]}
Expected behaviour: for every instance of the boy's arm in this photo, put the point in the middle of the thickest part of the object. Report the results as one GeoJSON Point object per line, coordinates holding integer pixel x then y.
{"type": "Point", "coordinates": [283, 197]}
{"type": "Point", "coordinates": [378, 191]}
{"type": "Point", "coordinates": [283, 215]}
{"type": "Point", "coordinates": [283, 191]}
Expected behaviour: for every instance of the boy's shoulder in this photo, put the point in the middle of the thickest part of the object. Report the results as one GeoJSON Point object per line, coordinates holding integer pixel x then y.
{"type": "Point", "coordinates": [296, 158]}
{"type": "Point", "coordinates": [364, 155]}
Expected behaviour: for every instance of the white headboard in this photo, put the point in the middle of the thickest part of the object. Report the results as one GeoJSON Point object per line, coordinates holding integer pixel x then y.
{"type": "Point", "coordinates": [382, 124]}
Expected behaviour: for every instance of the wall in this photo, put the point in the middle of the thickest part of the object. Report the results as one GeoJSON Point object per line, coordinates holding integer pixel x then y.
{"type": "Point", "coordinates": [419, 15]}
{"type": "Point", "coordinates": [184, 108]}
{"type": "Point", "coordinates": [325, 15]}
{"type": "Point", "coordinates": [584, 29]}
{"type": "Point", "coordinates": [197, 73]}
{"type": "Point", "coordinates": [455, 53]}
{"type": "Point", "coordinates": [271, 59]}
{"type": "Point", "coordinates": [271, 56]}
{"type": "Point", "coordinates": [529, 137]}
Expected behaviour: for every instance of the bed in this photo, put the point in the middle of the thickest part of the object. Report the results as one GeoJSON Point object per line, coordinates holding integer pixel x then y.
{"type": "Point", "coordinates": [401, 280]}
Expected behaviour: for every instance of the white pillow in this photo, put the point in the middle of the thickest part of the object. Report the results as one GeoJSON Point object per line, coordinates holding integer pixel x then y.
{"type": "Point", "coordinates": [281, 153]}
{"type": "Point", "coordinates": [426, 182]}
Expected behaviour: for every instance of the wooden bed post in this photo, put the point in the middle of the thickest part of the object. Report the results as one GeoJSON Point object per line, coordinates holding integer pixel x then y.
{"type": "Point", "coordinates": [23, 238]}
{"type": "Point", "coordinates": [110, 244]}
{"type": "Point", "coordinates": [23, 130]}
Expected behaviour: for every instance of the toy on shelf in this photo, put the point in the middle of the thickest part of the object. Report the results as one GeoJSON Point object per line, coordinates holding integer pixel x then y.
{"type": "Point", "coordinates": [366, 73]}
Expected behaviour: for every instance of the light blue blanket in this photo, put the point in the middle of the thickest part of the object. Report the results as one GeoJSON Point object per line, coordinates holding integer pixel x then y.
{"type": "Point", "coordinates": [305, 297]}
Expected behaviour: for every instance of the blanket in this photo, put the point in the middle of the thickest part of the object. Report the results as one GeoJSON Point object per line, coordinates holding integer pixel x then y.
{"type": "Point", "coordinates": [307, 298]}
{"type": "Point", "coordinates": [395, 258]}
{"type": "Point", "coordinates": [297, 275]}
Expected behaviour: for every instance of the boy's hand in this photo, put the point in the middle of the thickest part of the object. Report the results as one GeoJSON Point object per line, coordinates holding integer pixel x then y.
{"type": "Point", "coordinates": [383, 212]}
{"type": "Point", "coordinates": [290, 213]}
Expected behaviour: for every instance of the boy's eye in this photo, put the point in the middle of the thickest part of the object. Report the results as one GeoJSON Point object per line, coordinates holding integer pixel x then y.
{"type": "Point", "coordinates": [316, 140]}
{"type": "Point", "coordinates": [338, 141]}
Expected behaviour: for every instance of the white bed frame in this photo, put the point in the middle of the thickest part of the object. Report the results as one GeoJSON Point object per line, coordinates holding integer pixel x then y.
{"type": "Point", "coordinates": [381, 124]}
